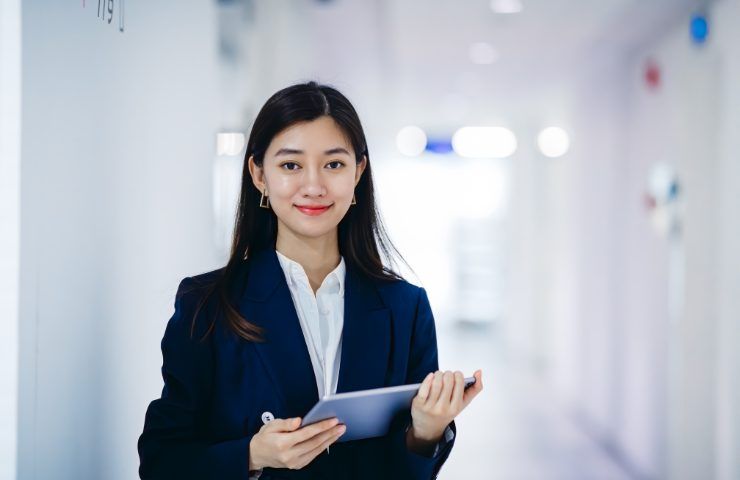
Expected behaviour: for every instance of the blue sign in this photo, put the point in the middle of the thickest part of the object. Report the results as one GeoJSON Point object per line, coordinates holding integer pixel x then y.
{"type": "Point", "coordinates": [699, 28]}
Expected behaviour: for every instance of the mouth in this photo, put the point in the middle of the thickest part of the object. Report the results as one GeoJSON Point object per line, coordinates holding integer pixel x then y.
{"type": "Point", "coordinates": [313, 210]}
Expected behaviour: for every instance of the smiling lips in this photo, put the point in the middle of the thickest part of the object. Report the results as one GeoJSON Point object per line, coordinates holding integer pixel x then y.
{"type": "Point", "coordinates": [313, 210]}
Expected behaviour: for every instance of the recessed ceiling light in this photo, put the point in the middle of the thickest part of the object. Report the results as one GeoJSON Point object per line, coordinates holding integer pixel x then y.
{"type": "Point", "coordinates": [228, 144]}
{"type": "Point", "coordinates": [411, 141]}
{"type": "Point", "coordinates": [553, 142]}
{"type": "Point", "coordinates": [484, 142]}
{"type": "Point", "coordinates": [507, 6]}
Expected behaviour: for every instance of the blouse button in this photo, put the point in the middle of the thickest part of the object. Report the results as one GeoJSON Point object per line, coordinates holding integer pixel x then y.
{"type": "Point", "coordinates": [267, 417]}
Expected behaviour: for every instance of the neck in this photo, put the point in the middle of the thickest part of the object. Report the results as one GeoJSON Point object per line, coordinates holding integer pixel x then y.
{"type": "Point", "coordinates": [317, 256]}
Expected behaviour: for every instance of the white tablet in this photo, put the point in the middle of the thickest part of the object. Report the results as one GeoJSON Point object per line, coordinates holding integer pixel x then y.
{"type": "Point", "coordinates": [366, 413]}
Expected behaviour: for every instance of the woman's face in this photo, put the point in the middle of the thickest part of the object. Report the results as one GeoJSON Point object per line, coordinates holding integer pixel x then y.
{"type": "Point", "coordinates": [309, 164]}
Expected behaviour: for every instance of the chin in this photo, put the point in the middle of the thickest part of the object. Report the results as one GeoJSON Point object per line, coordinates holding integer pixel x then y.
{"type": "Point", "coordinates": [313, 234]}
{"type": "Point", "coordinates": [314, 231]}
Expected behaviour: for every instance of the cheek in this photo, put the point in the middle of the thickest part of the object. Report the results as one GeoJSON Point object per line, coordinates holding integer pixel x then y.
{"type": "Point", "coordinates": [344, 187]}
{"type": "Point", "coordinates": [283, 186]}
{"type": "Point", "coordinates": [284, 192]}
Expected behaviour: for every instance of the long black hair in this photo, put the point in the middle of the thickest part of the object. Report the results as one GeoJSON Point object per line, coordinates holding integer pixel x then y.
{"type": "Point", "coordinates": [362, 235]}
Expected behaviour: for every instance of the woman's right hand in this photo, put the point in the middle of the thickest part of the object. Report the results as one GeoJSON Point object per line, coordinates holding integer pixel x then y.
{"type": "Point", "coordinates": [281, 444]}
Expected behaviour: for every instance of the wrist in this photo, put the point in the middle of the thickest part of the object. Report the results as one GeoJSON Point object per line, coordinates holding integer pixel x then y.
{"type": "Point", "coordinates": [420, 443]}
{"type": "Point", "coordinates": [253, 463]}
{"type": "Point", "coordinates": [426, 436]}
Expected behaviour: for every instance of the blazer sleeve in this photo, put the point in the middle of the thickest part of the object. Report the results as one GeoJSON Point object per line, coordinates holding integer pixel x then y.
{"type": "Point", "coordinates": [172, 445]}
{"type": "Point", "coordinates": [422, 360]}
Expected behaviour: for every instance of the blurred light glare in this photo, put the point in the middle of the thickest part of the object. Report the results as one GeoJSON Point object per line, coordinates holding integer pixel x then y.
{"type": "Point", "coordinates": [411, 141]}
{"type": "Point", "coordinates": [482, 53]}
{"type": "Point", "coordinates": [229, 143]}
{"type": "Point", "coordinates": [484, 142]}
{"type": "Point", "coordinates": [507, 6]}
{"type": "Point", "coordinates": [553, 142]}
{"type": "Point", "coordinates": [440, 145]}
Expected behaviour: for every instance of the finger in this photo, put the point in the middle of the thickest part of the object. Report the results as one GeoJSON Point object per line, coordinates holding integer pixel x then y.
{"type": "Point", "coordinates": [475, 389]}
{"type": "Point", "coordinates": [457, 392]}
{"type": "Point", "coordinates": [436, 388]}
{"type": "Point", "coordinates": [423, 392]}
{"type": "Point", "coordinates": [319, 440]}
{"type": "Point", "coordinates": [445, 396]}
{"type": "Point", "coordinates": [307, 457]}
{"type": "Point", "coordinates": [312, 430]}
{"type": "Point", "coordinates": [283, 424]}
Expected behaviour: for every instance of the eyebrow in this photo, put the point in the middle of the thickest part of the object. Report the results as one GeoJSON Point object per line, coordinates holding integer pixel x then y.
{"type": "Point", "coordinates": [293, 151]}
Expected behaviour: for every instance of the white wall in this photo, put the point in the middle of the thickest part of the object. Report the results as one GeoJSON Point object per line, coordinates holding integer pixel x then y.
{"type": "Point", "coordinates": [726, 18]}
{"type": "Point", "coordinates": [642, 329]}
{"type": "Point", "coordinates": [690, 123]}
{"type": "Point", "coordinates": [10, 169]}
{"type": "Point", "coordinates": [118, 145]}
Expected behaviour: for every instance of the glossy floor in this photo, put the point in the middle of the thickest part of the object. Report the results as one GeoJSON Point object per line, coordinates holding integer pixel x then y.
{"type": "Point", "coordinates": [514, 430]}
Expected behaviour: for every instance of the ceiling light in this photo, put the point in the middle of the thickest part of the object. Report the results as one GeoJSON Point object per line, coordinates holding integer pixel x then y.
{"type": "Point", "coordinates": [484, 142]}
{"type": "Point", "coordinates": [411, 141]}
{"type": "Point", "coordinates": [229, 143]}
{"type": "Point", "coordinates": [507, 6]}
{"type": "Point", "coordinates": [553, 142]}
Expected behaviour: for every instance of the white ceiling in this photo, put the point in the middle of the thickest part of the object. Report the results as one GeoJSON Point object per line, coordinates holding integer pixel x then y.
{"type": "Point", "coordinates": [416, 51]}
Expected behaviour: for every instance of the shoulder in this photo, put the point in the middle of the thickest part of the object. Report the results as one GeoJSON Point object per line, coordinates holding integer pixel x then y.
{"type": "Point", "coordinates": [199, 283]}
{"type": "Point", "coordinates": [410, 306]}
{"type": "Point", "coordinates": [204, 279]}
{"type": "Point", "coordinates": [397, 287]}
{"type": "Point", "coordinates": [194, 295]}
{"type": "Point", "coordinates": [401, 292]}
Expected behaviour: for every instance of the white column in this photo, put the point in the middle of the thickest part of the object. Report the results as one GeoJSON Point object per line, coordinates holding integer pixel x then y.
{"type": "Point", "coordinates": [10, 167]}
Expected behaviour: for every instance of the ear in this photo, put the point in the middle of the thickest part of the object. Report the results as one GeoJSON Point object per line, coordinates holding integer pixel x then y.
{"type": "Point", "coordinates": [360, 168]}
{"type": "Point", "coordinates": [257, 173]}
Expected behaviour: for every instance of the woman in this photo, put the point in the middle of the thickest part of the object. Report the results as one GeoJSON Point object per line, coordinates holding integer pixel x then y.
{"type": "Point", "coordinates": [303, 308]}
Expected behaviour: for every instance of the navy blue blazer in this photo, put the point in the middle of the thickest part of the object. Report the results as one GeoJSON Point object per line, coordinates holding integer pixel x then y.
{"type": "Point", "coordinates": [215, 392]}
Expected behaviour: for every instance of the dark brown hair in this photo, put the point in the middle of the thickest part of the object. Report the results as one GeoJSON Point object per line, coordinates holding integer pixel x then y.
{"type": "Point", "coordinates": [362, 235]}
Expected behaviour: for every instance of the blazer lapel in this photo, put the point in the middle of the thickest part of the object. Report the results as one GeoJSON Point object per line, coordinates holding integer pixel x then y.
{"type": "Point", "coordinates": [267, 302]}
{"type": "Point", "coordinates": [366, 335]}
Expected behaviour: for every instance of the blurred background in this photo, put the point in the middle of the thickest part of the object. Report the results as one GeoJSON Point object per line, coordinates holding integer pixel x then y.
{"type": "Point", "coordinates": [562, 175]}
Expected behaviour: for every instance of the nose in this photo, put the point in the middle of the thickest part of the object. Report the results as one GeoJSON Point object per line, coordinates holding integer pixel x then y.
{"type": "Point", "coordinates": [313, 184]}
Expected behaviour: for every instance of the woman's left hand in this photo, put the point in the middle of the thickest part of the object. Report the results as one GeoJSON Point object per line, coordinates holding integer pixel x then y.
{"type": "Point", "coordinates": [441, 397]}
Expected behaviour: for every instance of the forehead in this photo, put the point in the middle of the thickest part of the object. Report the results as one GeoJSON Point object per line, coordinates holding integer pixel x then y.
{"type": "Point", "coordinates": [316, 135]}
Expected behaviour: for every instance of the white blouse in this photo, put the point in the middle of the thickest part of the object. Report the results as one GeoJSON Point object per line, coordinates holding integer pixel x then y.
{"type": "Point", "coordinates": [321, 317]}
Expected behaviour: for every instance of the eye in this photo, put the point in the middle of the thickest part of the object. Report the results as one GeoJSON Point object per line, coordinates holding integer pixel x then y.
{"type": "Point", "coordinates": [289, 163]}
{"type": "Point", "coordinates": [340, 164]}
